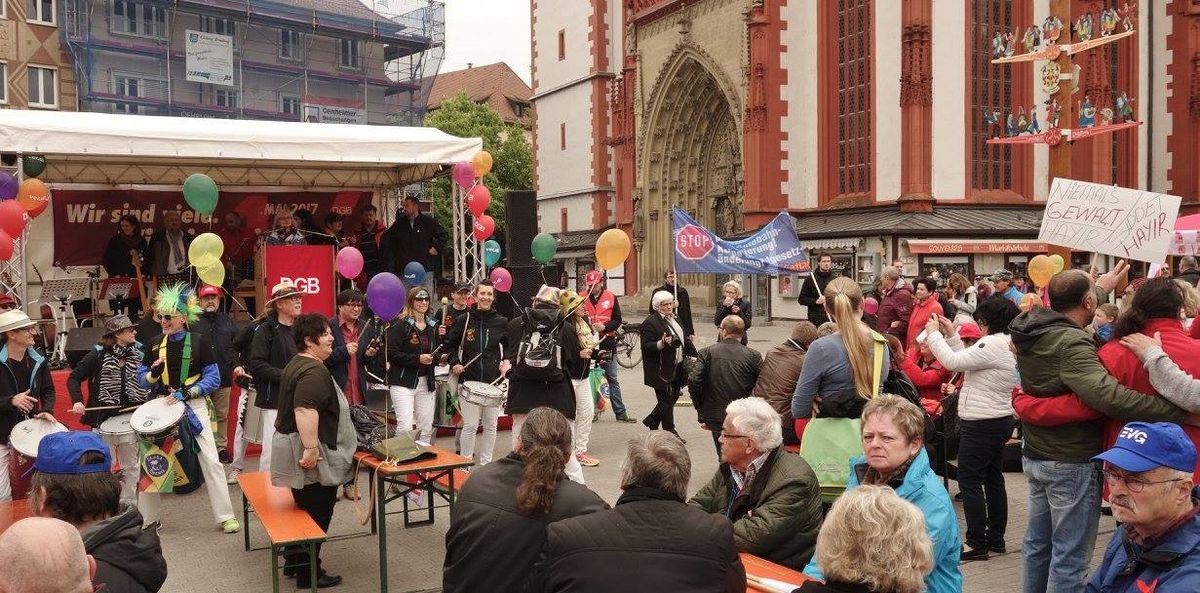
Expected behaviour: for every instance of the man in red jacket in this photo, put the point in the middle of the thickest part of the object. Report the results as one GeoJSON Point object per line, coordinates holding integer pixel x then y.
{"type": "Point", "coordinates": [896, 305]}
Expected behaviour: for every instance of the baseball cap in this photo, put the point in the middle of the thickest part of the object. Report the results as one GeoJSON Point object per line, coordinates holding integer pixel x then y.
{"type": "Point", "coordinates": [208, 290]}
{"type": "Point", "coordinates": [1143, 446]}
{"type": "Point", "coordinates": [462, 287]}
{"type": "Point", "coordinates": [59, 453]}
{"type": "Point", "coordinates": [969, 331]}
{"type": "Point", "coordinates": [1001, 274]}
{"type": "Point", "coordinates": [593, 278]}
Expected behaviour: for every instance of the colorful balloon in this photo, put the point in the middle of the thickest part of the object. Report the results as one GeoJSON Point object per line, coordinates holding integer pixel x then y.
{"type": "Point", "coordinates": [1058, 262]}
{"type": "Point", "coordinates": [385, 295]}
{"type": "Point", "coordinates": [8, 185]}
{"type": "Point", "coordinates": [501, 279]}
{"type": "Point", "coordinates": [6, 246]}
{"type": "Point", "coordinates": [206, 250]}
{"type": "Point", "coordinates": [483, 227]}
{"type": "Point", "coordinates": [544, 247]}
{"type": "Point", "coordinates": [482, 163]}
{"type": "Point", "coordinates": [491, 252]}
{"type": "Point", "coordinates": [478, 199]}
{"type": "Point", "coordinates": [33, 165]}
{"type": "Point", "coordinates": [12, 218]}
{"type": "Point", "coordinates": [414, 273]}
{"type": "Point", "coordinates": [213, 274]}
{"type": "Point", "coordinates": [1030, 301]}
{"type": "Point", "coordinates": [612, 249]}
{"type": "Point", "coordinates": [463, 174]}
{"type": "Point", "coordinates": [349, 262]}
{"type": "Point", "coordinates": [33, 196]}
{"type": "Point", "coordinates": [200, 192]}
{"type": "Point", "coordinates": [1040, 270]}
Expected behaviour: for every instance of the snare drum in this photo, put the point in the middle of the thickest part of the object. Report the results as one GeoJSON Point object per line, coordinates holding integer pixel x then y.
{"type": "Point", "coordinates": [26, 436]}
{"type": "Point", "coordinates": [118, 430]}
{"type": "Point", "coordinates": [482, 394]}
{"type": "Point", "coordinates": [157, 419]}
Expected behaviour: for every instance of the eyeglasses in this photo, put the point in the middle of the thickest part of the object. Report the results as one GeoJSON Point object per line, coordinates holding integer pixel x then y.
{"type": "Point", "coordinates": [353, 305]}
{"type": "Point", "coordinates": [426, 299]}
{"type": "Point", "coordinates": [1134, 485]}
{"type": "Point", "coordinates": [161, 318]}
{"type": "Point", "coordinates": [728, 436]}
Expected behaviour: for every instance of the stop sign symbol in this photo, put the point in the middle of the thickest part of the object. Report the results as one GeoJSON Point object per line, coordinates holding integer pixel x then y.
{"type": "Point", "coordinates": [693, 243]}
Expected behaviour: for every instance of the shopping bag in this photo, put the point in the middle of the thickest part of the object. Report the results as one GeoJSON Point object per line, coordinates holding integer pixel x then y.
{"type": "Point", "coordinates": [827, 446]}
{"type": "Point", "coordinates": [599, 385]}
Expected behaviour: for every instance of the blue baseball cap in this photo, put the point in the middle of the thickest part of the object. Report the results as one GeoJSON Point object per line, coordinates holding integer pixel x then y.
{"type": "Point", "coordinates": [1143, 446]}
{"type": "Point", "coordinates": [59, 453]}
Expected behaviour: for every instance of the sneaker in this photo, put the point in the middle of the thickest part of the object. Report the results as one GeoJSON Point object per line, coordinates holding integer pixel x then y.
{"type": "Point", "coordinates": [597, 414]}
{"type": "Point", "coordinates": [624, 418]}
{"type": "Point", "coordinates": [231, 526]}
{"type": "Point", "coordinates": [587, 460]}
{"type": "Point", "coordinates": [224, 456]}
{"type": "Point", "coordinates": [968, 554]}
{"type": "Point", "coordinates": [231, 477]}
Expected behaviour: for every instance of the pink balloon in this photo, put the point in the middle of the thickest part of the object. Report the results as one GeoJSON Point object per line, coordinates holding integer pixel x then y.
{"type": "Point", "coordinates": [464, 174]}
{"type": "Point", "coordinates": [478, 200]}
{"type": "Point", "coordinates": [501, 279]}
{"type": "Point", "coordinates": [349, 262]}
{"type": "Point", "coordinates": [483, 227]}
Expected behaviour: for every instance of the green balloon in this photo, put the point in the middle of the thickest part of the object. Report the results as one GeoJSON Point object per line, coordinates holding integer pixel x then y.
{"type": "Point", "coordinates": [200, 192]}
{"type": "Point", "coordinates": [544, 248]}
{"type": "Point", "coordinates": [33, 165]}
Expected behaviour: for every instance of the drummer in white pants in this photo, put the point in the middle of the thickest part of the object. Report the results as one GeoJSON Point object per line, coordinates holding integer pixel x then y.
{"type": "Point", "coordinates": [185, 369]}
{"type": "Point", "coordinates": [476, 349]}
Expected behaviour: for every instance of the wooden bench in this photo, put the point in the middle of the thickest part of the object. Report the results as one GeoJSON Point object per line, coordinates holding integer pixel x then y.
{"type": "Point", "coordinates": [460, 478]}
{"type": "Point", "coordinates": [287, 526]}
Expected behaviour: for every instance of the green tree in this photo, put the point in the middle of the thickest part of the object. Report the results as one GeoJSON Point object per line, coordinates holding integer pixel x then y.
{"type": "Point", "coordinates": [512, 156]}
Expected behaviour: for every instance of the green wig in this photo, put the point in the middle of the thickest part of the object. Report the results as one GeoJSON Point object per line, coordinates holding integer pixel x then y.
{"type": "Point", "coordinates": [178, 299]}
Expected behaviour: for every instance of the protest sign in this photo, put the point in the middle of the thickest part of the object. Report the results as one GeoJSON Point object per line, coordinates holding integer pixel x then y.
{"type": "Point", "coordinates": [1118, 221]}
{"type": "Point", "coordinates": [774, 249]}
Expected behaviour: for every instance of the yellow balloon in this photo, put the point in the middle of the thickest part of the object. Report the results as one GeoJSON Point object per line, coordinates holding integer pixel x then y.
{"type": "Point", "coordinates": [1058, 262]}
{"type": "Point", "coordinates": [612, 249]}
{"type": "Point", "coordinates": [206, 250]}
{"type": "Point", "coordinates": [1040, 270]}
{"type": "Point", "coordinates": [482, 161]}
{"type": "Point", "coordinates": [1030, 301]}
{"type": "Point", "coordinates": [213, 274]}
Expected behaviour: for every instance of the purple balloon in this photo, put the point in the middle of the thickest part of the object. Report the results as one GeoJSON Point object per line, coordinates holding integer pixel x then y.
{"type": "Point", "coordinates": [349, 262]}
{"type": "Point", "coordinates": [385, 295]}
{"type": "Point", "coordinates": [8, 186]}
{"type": "Point", "coordinates": [464, 174]}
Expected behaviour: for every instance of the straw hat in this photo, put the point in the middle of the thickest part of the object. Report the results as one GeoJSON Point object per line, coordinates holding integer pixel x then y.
{"type": "Point", "coordinates": [14, 319]}
{"type": "Point", "coordinates": [284, 290]}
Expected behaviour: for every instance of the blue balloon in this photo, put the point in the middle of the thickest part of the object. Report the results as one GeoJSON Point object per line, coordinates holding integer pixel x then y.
{"type": "Point", "coordinates": [385, 295]}
{"type": "Point", "coordinates": [491, 252]}
{"type": "Point", "coordinates": [414, 273]}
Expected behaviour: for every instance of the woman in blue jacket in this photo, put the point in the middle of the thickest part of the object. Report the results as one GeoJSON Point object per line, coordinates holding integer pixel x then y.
{"type": "Point", "coordinates": [893, 431]}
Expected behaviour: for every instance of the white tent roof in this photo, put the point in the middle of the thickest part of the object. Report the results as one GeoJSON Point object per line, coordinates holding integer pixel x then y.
{"type": "Point", "coordinates": [111, 148]}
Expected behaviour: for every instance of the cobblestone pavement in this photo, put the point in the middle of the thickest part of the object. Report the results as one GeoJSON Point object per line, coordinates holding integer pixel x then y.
{"type": "Point", "coordinates": [201, 558]}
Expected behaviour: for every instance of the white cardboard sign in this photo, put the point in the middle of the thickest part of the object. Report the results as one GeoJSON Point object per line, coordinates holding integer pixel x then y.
{"type": "Point", "coordinates": [1117, 221]}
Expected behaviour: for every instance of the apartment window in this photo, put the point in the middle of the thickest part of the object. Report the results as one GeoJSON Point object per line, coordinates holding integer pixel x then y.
{"type": "Point", "coordinates": [43, 87]}
{"type": "Point", "coordinates": [220, 97]}
{"type": "Point", "coordinates": [219, 26]}
{"type": "Point", "coordinates": [138, 18]}
{"type": "Point", "coordinates": [562, 136]}
{"type": "Point", "coordinates": [133, 85]}
{"type": "Point", "coordinates": [349, 54]}
{"type": "Point", "coordinates": [850, 135]}
{"type": "Point", "coordinates": [40, 11]}
{"type": "Point", "coordinates": [3, 80]}
{"type": "Point", "coordinates": [562, 44]}
{"type": "Point", "coordinates": [289, 104]}
{"type": "Point", "coordinates": [291, 45]}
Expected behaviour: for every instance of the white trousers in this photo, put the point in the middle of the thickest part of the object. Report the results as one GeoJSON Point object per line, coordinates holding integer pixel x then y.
{"type": "Point", "coordinates": [239, 442]}
{"type": "Point", "coordinates": [574, 471]}
{"type": "Point", "coordinates": [150, 504]}
{"type": "Point", "coordinates": [472, 416]}
{"type": "Point", "coordinates": [125, 454]}
{"type": "Point", "coordinates": [585, 408]}
{"type": "Point", "coordinates": [418, 402]}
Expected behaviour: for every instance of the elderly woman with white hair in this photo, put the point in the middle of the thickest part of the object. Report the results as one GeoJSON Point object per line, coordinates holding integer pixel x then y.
{"type": "Point", "coordinates": [734, 303]}
{"type": "Point", "coordinates": [769, 494]}
{"type": "Point", "coordinates": [872, 541]}
{"type": "Point", "coordinates": [664, 345]}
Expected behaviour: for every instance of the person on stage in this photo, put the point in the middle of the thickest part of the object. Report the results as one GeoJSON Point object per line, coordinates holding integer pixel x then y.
{"type": "Point", "coordinates": [122, 249]}
{"type": "Point", "coordinates": [169, 246]}
{"type": "Point", "coordinates": [185, 370]}
{"type": "Point", "coordinates": [476, 354]}
{"type": "Point", "coordinates": [285, 232]}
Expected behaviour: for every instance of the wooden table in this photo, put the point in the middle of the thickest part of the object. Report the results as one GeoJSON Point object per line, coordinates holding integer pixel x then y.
{"type": "Point", "coordinates": [409, 477]}
{"type": "Point", "coordinates": [12, 511]}
{"type": "Point", "coordinates": [769, 570]}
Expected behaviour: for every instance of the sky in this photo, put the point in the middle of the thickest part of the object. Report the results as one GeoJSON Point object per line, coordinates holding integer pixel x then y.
{"type": "Point", "coordinates": [488, 31]}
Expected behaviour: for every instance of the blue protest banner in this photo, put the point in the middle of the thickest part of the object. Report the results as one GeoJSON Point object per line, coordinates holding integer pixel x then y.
{"type": "Point", "coordinates": [773, 250]}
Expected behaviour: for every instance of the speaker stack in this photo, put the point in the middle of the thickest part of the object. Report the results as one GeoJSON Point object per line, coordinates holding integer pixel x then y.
{"type": "Point", "coordinates": [80, 340]}
{"type": "Point", "coordinates": [520, 215]}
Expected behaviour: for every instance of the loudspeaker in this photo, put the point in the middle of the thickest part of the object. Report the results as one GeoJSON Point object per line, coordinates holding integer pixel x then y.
{"type": "Point", "coordinates": [520, 216]}
{"type": "Point", "coordinates": [80, 341]}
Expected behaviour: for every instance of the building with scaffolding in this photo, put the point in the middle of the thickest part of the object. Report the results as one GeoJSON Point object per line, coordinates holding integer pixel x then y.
{"type": "Point", "coordinates": [333, 61]}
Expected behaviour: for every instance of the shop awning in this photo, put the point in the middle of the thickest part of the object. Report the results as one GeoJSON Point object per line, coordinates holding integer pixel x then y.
{"type": "Point", "coordinates": [954, 246]}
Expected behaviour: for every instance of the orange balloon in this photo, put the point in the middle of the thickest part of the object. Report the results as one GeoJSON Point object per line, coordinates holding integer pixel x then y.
{"type": "Point", "coordinates": [1040, 270]}
{"type": "Point", "coordinates": [33, 196]}
{"type": "Point", "coordinates": [1030, 301]}
{"type": "Point", "coordinates": [612, 249]}
{"type": "Point", "coordinates": [482, 161]}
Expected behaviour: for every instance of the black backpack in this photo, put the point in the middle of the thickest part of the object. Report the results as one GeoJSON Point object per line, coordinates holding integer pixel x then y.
{"type": "Point", "coordinates": [539, 353]}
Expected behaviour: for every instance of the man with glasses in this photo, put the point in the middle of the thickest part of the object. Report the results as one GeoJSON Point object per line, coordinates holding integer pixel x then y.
{"type": "Point", "coordinates": [770, 495]}
{"type": "Point", "coordinates": [1156, 547]}
{"type": "Point", "coordinates": [26, 391]}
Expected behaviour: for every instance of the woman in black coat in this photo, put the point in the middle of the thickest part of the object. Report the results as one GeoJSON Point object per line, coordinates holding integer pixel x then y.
{"type": "Point", "coordinates": [411, 342]}
{"type": "Point", "coordinates": [127, 244]}
{"type": "Point", "coordinates": [664, 345]}
{"type": "Point", "coordinates": [734, 303]}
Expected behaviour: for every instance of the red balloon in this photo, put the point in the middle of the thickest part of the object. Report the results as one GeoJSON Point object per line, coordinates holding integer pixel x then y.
{"type": "Point", "coordinates": [483, 227]}
{"type": "Point", "coordinates": [478, 200]}
{"type": "Point", "coordinates": [6, 246]}
{"type": "Point", "coordinates": [12, 218]}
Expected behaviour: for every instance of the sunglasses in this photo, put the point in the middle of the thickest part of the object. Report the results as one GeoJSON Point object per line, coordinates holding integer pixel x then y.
{"type": "Point", "coordinates": [421, 298]}
{"type": "Point", "coordinates": [161, 318]}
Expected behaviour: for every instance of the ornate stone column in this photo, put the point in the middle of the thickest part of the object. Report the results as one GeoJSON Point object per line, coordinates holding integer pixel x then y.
{"type": "Point", "coordinates": [916, 105]}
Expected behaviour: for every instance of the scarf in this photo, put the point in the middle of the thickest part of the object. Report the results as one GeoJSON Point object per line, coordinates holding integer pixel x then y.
{"type": "Point", "coordinates": [587, 338]}
{"type": "Point", "coordinates": [118, 385]}
{"type": "Point", "coordinates": [895, 479]}
{"type": "Point", "coordinates": [678, 331]}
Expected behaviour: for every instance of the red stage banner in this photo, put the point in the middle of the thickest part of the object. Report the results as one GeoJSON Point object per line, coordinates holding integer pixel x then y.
{"type": "Point", "coordinates": [310, 268]}
{"type": "Point", "coordinates": [85, 220]}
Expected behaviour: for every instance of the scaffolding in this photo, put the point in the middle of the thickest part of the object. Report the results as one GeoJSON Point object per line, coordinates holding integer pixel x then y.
{"type": "Point", "coordinates": [334, 61]}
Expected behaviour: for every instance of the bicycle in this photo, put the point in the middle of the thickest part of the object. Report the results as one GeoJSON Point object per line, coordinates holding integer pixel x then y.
{"type": "Point", "coordinates": [629, 345]}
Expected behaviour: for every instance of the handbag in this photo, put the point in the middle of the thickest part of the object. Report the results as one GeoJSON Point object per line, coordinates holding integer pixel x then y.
{"type": "Point", "coordinates": [599, 385]}
{"type": "Point", "coordinates": [401, 448]}
{"type": "Point", "coordinates": [827, 446]}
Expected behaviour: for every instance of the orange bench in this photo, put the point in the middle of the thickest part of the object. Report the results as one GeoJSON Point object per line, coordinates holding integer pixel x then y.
{"type": "Point", "coordinates": [460, 478]}
{"type": "Point", "coordinates": [287, 526]}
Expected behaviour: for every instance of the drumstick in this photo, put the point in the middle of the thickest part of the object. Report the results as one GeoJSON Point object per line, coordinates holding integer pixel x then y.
{"type": "Point", "coordinates": [498, 379]}
{"type": "Point", "coordinates": [101, 408]}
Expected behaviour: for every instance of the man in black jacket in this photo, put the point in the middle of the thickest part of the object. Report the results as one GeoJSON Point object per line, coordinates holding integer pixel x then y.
{"type": "Point", "coordinates": [414, 237]}
{"type": "Point", "coordinates": [812, 289]}
{"type": "Point", "coordinates": [1187, 270]}
{"type": "Point", "coordinates": [220, 329]}
{"type": "Point", "coordinates": [683, 303]}
{"type": "Point", "coordinates": [73, 481]}
{"type": "Point", "coordinates": [722, 373]}
{"type": "Point", "coordinates": [270, 351]}
{"type": "Point", "coordinates": [475, 344]}
{"type": "Point", "coordinates": [650, 538]}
